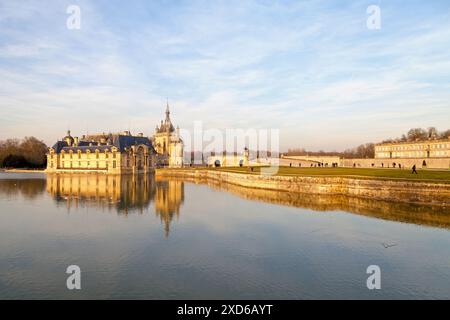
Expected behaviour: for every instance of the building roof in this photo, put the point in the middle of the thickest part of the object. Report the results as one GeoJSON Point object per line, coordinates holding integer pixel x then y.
{"type": "Point", "coordinates": [166, 125]}
{"type": "Point", "coordinates": [91, 143]}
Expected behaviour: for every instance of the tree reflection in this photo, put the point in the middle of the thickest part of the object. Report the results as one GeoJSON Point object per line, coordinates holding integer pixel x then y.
{"type": "Point", "coordinates": [27, 188]}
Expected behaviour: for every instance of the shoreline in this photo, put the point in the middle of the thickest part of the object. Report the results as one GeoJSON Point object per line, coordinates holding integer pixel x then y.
{"type": "Point", "coordinates": [23, 170]}
{"type": "Point", "coordinates": [414, 192]}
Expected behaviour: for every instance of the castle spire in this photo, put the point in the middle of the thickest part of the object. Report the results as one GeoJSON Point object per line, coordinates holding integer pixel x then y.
{"type": "Point", "coordinates": [167, 109]}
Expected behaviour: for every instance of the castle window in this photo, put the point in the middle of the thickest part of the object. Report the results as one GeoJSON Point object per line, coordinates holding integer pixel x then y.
{"type": "Point", "coordinates": [114, 164]}
{"type": "Point", "coordinates": [79, 154]}
{"type": "Point", "coordinates": [96, 154]}
{"type": "Point", "coordinates": [114, 154]}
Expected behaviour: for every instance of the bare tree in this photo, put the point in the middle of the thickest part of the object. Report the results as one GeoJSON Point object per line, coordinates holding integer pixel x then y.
{"type": "Point", "coordinates": [417, 134]}
{"type": "Point", "coordinates": [30, 152]}
{"type": "Point", "coordinates": [9, 147]}
{"type": "Point", "coordinates": [432, 132]}
{"type": "Point", "coordinates": [445, 134]}
{"type": "Point", "coordinates": [33, 150]}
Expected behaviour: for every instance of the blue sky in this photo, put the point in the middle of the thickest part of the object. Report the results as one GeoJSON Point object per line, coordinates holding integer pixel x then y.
{"type": "Point", "coordinates": [309, 68]}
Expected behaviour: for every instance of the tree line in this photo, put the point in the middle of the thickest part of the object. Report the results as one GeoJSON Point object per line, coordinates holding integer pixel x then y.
{"type": "Point", "coordinates": [26, 153]}
{"type": "Point", "coordinates": [362, 151]}
{"type": "Point", "coordinates": [420, 134]}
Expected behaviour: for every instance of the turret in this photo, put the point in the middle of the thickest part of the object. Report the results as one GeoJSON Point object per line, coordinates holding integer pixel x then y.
{"type": "Point", "coordinates": [68, 139]}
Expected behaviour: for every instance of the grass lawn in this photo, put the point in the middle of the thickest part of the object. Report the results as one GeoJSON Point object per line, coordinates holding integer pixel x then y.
{"type": "Point", "coordinates": [404, 174]}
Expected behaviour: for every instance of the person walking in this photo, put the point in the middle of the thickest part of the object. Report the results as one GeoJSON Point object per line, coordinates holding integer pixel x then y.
{"type": "Point", "coordinates": [414, 170]}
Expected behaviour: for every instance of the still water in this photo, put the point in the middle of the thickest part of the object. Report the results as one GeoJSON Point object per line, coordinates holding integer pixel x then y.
{"type": "Point", "coordinates": [149, 238]}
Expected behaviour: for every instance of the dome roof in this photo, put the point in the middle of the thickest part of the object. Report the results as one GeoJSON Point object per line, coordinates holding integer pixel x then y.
{"type": "Point", "coordinates": [69, 137]}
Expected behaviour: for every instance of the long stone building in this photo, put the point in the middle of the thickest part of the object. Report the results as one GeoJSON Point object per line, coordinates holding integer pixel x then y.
{"type": "Point", "coordinates": [117, 153]}
{"type": "Point", "coordinates": [429, 154]}
{"type": "Point", "coordinates": [418, 149]}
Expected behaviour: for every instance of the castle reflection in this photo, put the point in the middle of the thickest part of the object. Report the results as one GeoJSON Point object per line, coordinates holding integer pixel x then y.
{"type": "Point", "coordinates": [125, 194]}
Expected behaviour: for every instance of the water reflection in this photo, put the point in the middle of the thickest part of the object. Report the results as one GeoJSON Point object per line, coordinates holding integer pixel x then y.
{"type": "Point", "coordinates": [128, 194]}
{"type": "Point", "coordinates": [435, 216]}
{"type": "Point", "coordinates": [123, 193]}
{"type": "Point", "coordinates": [223, 247]}
{"type": "Point", "coordinates": [27, 188]}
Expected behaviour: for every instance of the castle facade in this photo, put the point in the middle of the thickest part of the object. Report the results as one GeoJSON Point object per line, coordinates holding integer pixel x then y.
{"type": "Point", "coordinates": [119, 153]}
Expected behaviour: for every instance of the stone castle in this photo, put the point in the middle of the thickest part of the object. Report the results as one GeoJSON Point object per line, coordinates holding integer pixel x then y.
{"type": "Point", "coordinates": [118, 153]}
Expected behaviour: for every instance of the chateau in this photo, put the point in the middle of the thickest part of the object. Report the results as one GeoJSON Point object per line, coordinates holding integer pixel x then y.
{"type": "Point", "coordinates": [118, 153]}
{"type": "Point", "coordinates": [419, 149]}
{"type": "Point", "coordinates": [430, 154]}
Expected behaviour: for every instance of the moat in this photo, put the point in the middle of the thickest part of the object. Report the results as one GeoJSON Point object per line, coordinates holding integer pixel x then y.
{"type": "Point", "coordinates": [146, 237]}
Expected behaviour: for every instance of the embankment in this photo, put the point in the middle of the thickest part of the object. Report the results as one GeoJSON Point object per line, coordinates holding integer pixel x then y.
{"type": "Point", "coordinates": [419, 192]}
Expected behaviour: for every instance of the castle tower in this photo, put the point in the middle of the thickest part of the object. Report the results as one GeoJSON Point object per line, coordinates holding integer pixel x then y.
{"type": "Point", "coordinates": [168, 143]}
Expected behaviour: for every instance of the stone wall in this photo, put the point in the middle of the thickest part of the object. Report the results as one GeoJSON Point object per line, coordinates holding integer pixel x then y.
{"type": "Point", "coordinates": [389, 190]}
